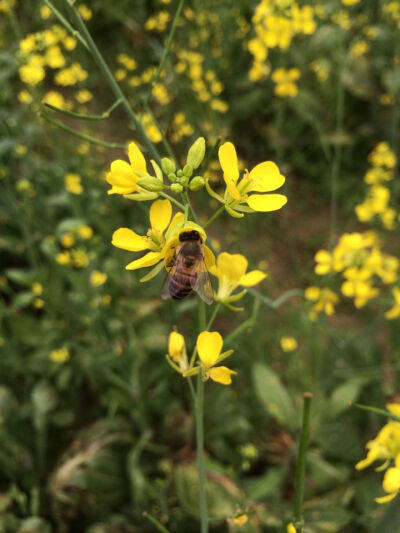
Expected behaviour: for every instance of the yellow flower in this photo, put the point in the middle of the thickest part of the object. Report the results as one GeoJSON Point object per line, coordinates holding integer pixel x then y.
{"type": "Point", "coordinates": [230, 270]}
{"type": "Point", "coordinates": [55, 98]}
{"type": "Point", "coordinates": [85, 12]}
{"type": "Point", "coordinates": [209, 346]}
{"type": "Point", "coordinates": [386, 447]}
{"type": "Point", "coordinates": [177, 350]}
{"type": "Point", "coordinates": [123, 176]}
{"type": "Point", "coordinates": [240, 520]}
{"type": "Point", "coordinates": [394, 312]}
{"type": "Point", "coordinates": [288, 344]}
{"type": "Point", "coordinates": [73, 184]}
{"type": "Point", "coordinates": [67, 240]}
{"type": "Point", "coordinates": [85, 232]}
{"type": "Point", "coordinates": [263, 178]}
{"type": "Point", "coordinates": [290, 528]}
{"type": "Point", "coordinates": [285, 81]}
{"type": "Point", "coordinates": [63, 258]}
{"type": "Point", "coordinates": [33, 72]}
{"type": "Point", "coordinates": [161, 231]}
{"type": "Point", "coordinates": [97, 278]}
{"type": "Point", "coordinates": [325, 301]}
{"type": "Point", "coordinates": [80, 257]}
{"type": "Point", "coordinates": [59, 356]}
{"type": "Point", "coordinates": [37, 288]}
{"type": "Point", "coordinates": [83, 96]}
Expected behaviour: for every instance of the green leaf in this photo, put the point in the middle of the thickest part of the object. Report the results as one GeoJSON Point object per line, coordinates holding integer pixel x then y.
{"type": "Point", "coordinates": [343, 394]}
{"type": "Point", "coordinates": [274, 397]}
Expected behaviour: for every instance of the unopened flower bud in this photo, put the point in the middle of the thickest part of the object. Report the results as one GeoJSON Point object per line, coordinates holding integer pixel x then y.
{"type": "Point", "coordinates": [150, 184]}
{"type": "Point", "coordinates": [188, 170]}
{"type": "Point", "coordinates": [184, 180]}
{"type": "Point", "coordinates": [176, 188]}
{"type": "Point", "coordinates": [179, 173]}
{"type": "Point", "coordinates": [197, 183]}
{"type": "Point", "coordinates": [172, 176]}
{"type": "Point", "coordinates": [168, 165]}
{"type": "Point", "coordinates": [196, 153]}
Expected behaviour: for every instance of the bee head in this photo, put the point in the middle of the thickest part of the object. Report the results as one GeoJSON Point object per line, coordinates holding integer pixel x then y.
{"type": "Point", "coordinates": [192, 235]}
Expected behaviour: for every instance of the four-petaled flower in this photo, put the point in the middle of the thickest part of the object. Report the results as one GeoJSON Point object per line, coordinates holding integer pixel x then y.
{"type": "Point", "coordinates": [157, 238]}
{"type": "Point", "coordinates": [230, 270]}
{"type": "Point", "coordinates": [209, 346]}
{"type": "Point", "coordinates": [263, 178]}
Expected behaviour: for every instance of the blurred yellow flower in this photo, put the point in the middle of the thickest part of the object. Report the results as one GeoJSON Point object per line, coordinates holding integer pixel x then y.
{"type": "Point", "coordinates": [79, 257]}
{"type": "Point", "coordinates": [63, 258]}
{"type": "Point", "coordinates": [83, 96]}
{"type": "Point", "coordinates": [55, 98]}
{"type": "Point", "coordinates": [325, 301]}
{"type": "Point", "coordinates": [73, 183]}
{"type": "Point", "coordinates": [285, 81]}
{"type": "Point", "coordinates": [85, 12]}
{"type": "Point", "coordinates": [288, 344]}
{"type": "Point", "coordinates": [209, 346]}
{"type": "Point", "coordinates": [67, 240]}
{"type": "Point", "coordinates": [85, 232]}
{"type": "Point", "coordinates": [240, 520]}
{"type": "Point", "coordinates": [290, 528]}
{"type": "Point", "coordinates": [97, 278]}
{"type": "Point", "coordinates": [394, 312]}
{"type": "Point", "coordinates": [33, 72]}
{"type": "Point", "coordinates": [37, 288]}
{"type": "Point", "coordinates": [59, 356]}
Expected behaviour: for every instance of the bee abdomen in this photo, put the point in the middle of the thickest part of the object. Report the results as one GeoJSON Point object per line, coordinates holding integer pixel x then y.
{"type": "Point", "coordinates": [181, 283]}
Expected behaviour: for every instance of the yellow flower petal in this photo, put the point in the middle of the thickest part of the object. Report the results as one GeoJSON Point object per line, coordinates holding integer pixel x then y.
{"type": "Point", "coordinates": [136, 158]}
{"type": "Point", "coordinates": [127, 239]}
{"type": "Point", "coordinates": [393, 408]}
{"type": "Point", "coordinates": [229, 163]}
{"type": "Point", "coordinates": [147, 260]}
{"type": "Point", "coordinates": [252, 278]}
{"type": "Point", "coordinates": [266, 202]}
{"type": "Point", "coordinates": [266, 177]}
{"type": "Point", "coordinates": [233, 266]}
{"type": "Point", "coordinates": [221, 374]}
{"type": "Point", "coordinates": [385, 499]}
{"type": "Point", "coordinates": [176, 345]}
{"type": "Point", "coordinates": [209, 346]}
{"type": "Point", "coordinates": [160, 214]}
{"type": "Point", "coordinates": [209, 257]}
{"type": "Point", "coordinates": [121, 177]}
{"type": "Point", "coordinates": [391, 480]}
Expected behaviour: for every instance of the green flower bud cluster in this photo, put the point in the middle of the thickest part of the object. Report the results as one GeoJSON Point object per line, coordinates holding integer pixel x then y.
{"type": "Point", "coordinates": [182, 178]}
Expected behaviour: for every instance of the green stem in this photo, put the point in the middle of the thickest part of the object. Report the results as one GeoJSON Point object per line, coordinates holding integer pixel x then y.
{"type": "Point", "coordinates": [213, 316]}
{"type": "Point", "coordinates": [65, 23]}
{"type": "Point", "coordinates": [171, 199]}
{"type": "Point", "coordinates": [214, 217]}
{"type": "Point", "coordinates": [166, 48]}
{"type": "Point", "coordinates": [13, 21]}
{"type": "Point", "coordinates": [375, 410]}
{"type": "Point", "coordinates": [82, 116]}
{"type": "Point", "coordinates": [202, 315]}
{"type": "Point", "coordinates": [155, 522]}
{"type": "Point", "coordinates": [80, 135]}
{"type": "Point", "coordinates": [301, 463]}
{"type": "Point", "coordinates": [112, 82]}
{"type": "Point", "coordinates": [199, 407]}
{"type": "Point", "coordinates": [244, 325]}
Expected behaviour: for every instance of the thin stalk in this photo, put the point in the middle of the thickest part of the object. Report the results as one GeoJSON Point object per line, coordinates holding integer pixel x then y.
{"type": "Point", "coordinates": [202, 315]}
{"type": "Point", "coordinates": [112, 82]}
{"type": "Point", "coordinates": [13, 21]}
{"type": "Point", "coordinates": [80, 135]}
{"type": "Point", "coordinates": [155, 522]}
{"type": "Point", "coordinates": [172, 200]}
{"type": "Point", "coordinates": [214, 216]}
{"type": "Point", "coordinates": [244, 325]}
{"type": "Point", "coordinates": [199, 407]}
{"type": "Point", "coordinates": [82, 116]}
{"type": "Point", "coordinates": [375, 410]}
{"type": "Point", "coordinates": [275, 304]}
{"type": "Point", "coordinates": [301, 463]}
{"type": "Point", "coordinates": [213, 316]}
{"type": "Point", "coordinates": [65, 23]}
{"type": "Point", "coordinates": [166, 49]}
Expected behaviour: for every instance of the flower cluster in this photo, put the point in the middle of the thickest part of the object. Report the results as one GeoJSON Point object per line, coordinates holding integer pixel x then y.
{"type": "Point", "coordinates": [276, 24]}
{"type": "Point", "coordinates": [386, 447]}
{"type": "Point", "coordinates": [376, 204]}
{"type": "Point", "coordinates": [359, 257]}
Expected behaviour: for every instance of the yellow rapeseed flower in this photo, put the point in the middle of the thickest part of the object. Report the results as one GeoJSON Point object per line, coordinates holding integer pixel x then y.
{"type": "Point", "coordinates": [97, 278]}
{"type": "Point", "coordinates": [288, 344]}
{"type": "Point", "coordinates": [325, 301]}
{"type": "Point", "coordinates": [209, 345]}
{"type": "Point", "coordinates": [285, 81]}
{"type": "Point", "coordinates": [59, 356]}
{"type": "Point", "coordinates": [73, 183]}
{"type": "Point", "coordinates": [394, 312]}
{"type": "Point", "coordinates": [177, 350]}
{"type": "Point", "coordinates": [85, 232]}
{"type": "Point", "coordinates": [263, 178]}
{"type": "Point", "coordinates": [230, 270]}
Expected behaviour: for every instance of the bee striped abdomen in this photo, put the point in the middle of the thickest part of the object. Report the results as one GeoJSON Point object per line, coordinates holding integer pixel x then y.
{"type": "Point", "coordinates": [182, 282]}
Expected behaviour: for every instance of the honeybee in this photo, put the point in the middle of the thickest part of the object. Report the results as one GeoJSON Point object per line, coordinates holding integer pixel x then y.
{"type": "Point", "coordinates": [188, 270]}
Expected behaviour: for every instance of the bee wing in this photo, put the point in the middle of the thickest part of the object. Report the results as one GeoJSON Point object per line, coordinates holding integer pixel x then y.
{"type": "Point", "coordinates": [202, 283]}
